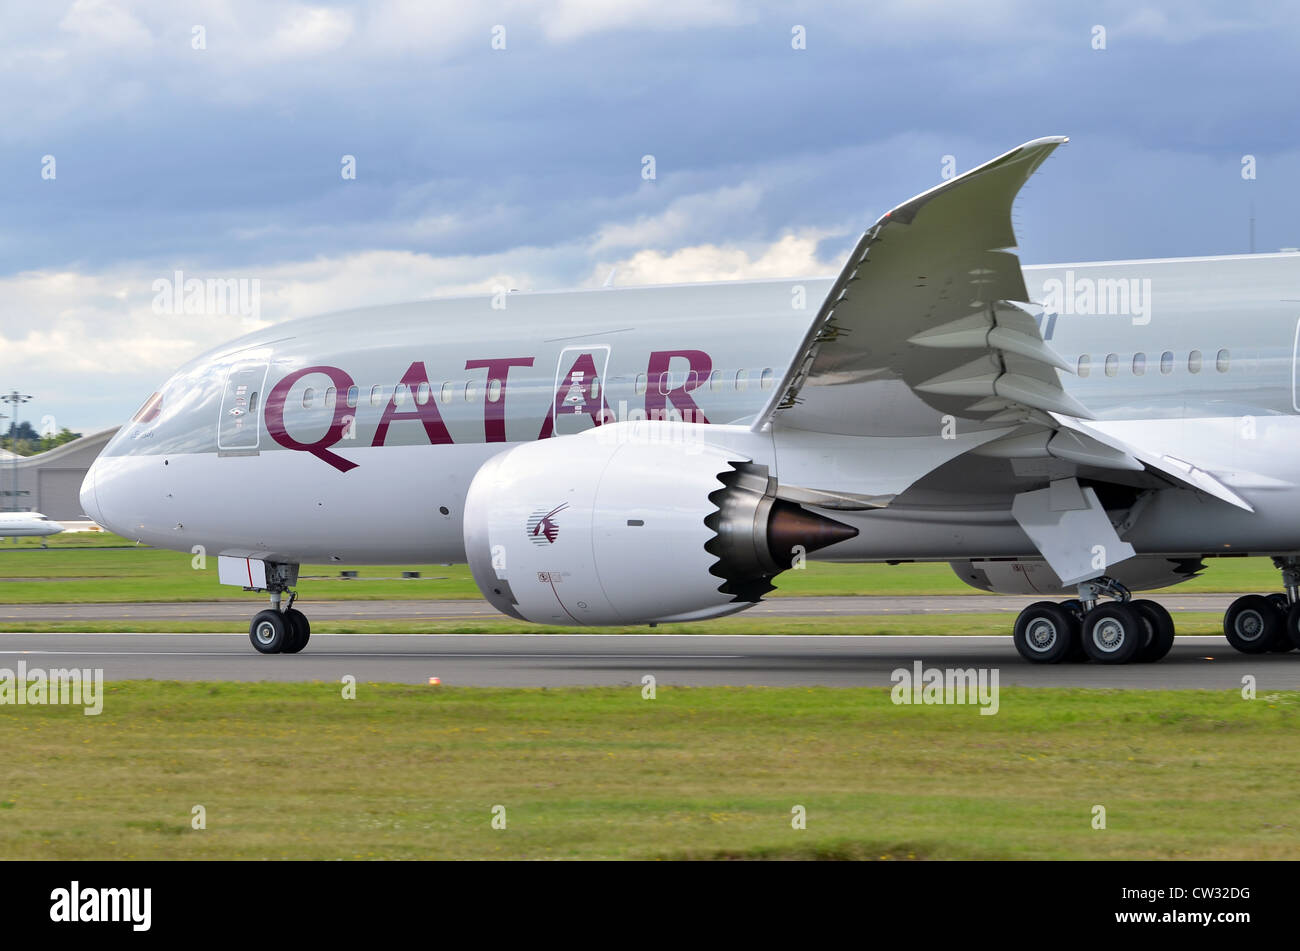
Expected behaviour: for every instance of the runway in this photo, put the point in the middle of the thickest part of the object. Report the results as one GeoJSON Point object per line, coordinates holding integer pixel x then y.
{"type": "Point", "coordinates": [611, 660]}
{"type": "Point", "coordinates": [242, 610]}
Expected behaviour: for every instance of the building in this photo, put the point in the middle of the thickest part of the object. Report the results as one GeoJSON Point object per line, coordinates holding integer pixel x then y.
{"type": "Point", "coordinates": [50, 482]}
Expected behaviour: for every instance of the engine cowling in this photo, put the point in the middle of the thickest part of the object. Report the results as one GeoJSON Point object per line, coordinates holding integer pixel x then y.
{"type": "Point", "coordinates": [631, 524]}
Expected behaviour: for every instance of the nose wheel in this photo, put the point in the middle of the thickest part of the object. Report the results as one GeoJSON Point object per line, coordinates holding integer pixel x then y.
{"type": "Point", "coordinates": [279, 630]}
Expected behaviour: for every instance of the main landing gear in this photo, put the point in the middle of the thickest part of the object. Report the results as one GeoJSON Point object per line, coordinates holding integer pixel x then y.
{"type": "Point", "coordinates": [1267, 623]}
{"type": "Point", "coordinates": [1117, 632]}
{"type": "Point", "coordinates": [280, 630]}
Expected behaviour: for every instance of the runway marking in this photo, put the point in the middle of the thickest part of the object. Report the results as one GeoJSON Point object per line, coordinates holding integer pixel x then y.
{"type": "Point", "coordinates": [565, 655]}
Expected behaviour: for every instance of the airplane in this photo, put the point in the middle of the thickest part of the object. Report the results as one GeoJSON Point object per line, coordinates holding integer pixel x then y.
{"type": "Point", "coordinates": [661, 454]}
{"type": "Point", "coordinates": [27, 525]}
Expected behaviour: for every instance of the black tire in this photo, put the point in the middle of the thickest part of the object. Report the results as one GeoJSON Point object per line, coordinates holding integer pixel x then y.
{"type": "Point", "coordinates": [1045, 631]}
{"type": "Point", "coordinates": [268, 632]}
{"type": "Point", "coordinates": [1291, 624]}
{"type": "Point", "coordinates": [1076, 654]}
{"type": "Point", "coordinates": [300, 628]}
{"type": "Point", "coordinates": [1114, 633]}
{"type": "Point", "coordinates": [1162, 631]}
{"type": "Point", "coordinates": [1252, 623]}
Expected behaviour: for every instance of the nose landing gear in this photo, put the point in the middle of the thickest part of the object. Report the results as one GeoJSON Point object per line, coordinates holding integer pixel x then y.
{"type": "Point", "coordinates": [280, 629]}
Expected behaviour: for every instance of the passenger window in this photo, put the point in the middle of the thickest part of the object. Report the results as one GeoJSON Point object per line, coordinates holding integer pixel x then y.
{"type": "Point", "coordinates": [308, 397]}
{"type": "Point", "coordinates": [330, 395]}
{"type": "Point", "coordinates": [1085, 365]}
{"type": "Point", "coordinates": [448, 391]}
{"type": "Point", "coordinates": [665, 383]}
{"type": "Point", "coordinates": [1112, 364]}
{"type": "Point", "coordinates": [353, 394]}
{"type": "Point", "coordinates": [765, 379]}
{"type": "Point", "coordinates": [1194, 362]}
{"type": "Point", "coordinates": [493, 390]}
{"type": "Point", "coordinates": [715, 380]}
{"type": "Point", "coordinates": [252, 404]}
{"type": "Point", "coordinates": [1139, 364]}
{"type": "Point", "coordinates": [400, 393]}
{"type": "Point", "coordinates": [470, 391]}
{"type": "Point", "coordinates": [422, 393]}
{"type": "Point", "coordinates": [1167, 362]}
{"type": "Point", "coordinates": [1221, 361]}
{"type": "Point", "coordinates": [639, 384]}
{"type": "Point", "coordinates": [742, 380]}
{"type": "Point", "coordinates": [376, 395]}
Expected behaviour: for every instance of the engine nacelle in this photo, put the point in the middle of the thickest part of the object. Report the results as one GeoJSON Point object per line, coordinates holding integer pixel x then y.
{"type": "Point", "coordinates": [631, 523]}
{"type": "Point", "coordinates": [1026, 576]}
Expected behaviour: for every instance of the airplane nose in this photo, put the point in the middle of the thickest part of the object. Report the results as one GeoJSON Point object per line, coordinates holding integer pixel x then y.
{"type": "Point", "coordinates": [89, 503]}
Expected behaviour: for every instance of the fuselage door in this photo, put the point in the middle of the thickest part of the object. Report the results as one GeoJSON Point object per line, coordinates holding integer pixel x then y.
{"type": "Point", "coordinates": [580, 388]}
{"type": "Point", "coordinates": [237, 427]}
{"type": "Point", "coordinates": [1295, 369]}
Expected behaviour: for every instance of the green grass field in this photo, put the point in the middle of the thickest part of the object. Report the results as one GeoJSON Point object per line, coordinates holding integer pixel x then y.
{"type": "Point", "coordinates": [86, 568]}
{"type": "Point", "coordinates": [295, 771]}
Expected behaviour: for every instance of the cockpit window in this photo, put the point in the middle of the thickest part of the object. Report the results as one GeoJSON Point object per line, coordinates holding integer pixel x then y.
{"type": "Point", "coordinates": [149, 411]}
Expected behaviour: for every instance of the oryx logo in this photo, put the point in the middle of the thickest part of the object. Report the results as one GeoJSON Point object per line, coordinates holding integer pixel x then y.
{"type": "Point", "coordinates": [542, 529]}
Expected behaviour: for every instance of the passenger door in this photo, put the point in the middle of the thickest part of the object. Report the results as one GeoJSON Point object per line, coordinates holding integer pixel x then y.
{"type": "Point", "coordinates": [238, 426]}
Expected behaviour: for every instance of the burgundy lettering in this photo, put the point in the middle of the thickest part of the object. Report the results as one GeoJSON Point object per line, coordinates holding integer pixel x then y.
{"type": "Point", "coordinates": [658, 395]}
{"type": "Point", "coordinates": [494, 411]}
{"type": "Point", "coordinates": [416, 376]}
{"type": "Point", "coordinates": [342, 417]}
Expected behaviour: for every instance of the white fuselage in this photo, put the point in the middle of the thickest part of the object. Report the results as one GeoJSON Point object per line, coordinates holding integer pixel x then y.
{"type": "Point", "coordinates": [27, 525]}
{"type": "Point", "coordinates": [354, 437]}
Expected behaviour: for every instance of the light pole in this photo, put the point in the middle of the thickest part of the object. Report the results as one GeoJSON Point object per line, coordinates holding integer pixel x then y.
{"type": "Point", "coordinates": [14, 399]}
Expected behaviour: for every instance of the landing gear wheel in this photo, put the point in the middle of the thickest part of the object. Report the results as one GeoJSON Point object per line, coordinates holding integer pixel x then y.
{"type": "Point", "coordinates": [268, 632]}
{"type": "Point", "coordinates": [1252, 623]}
{"type": "Point", "coordinates": [1114, 633]}
{"type": "Point", "coordinates": [1291, 624]}
{"type": "Point", "coordinates": [300, 628]}
{"type": "Point", "coordinates": [1075, 655]}
{"type": "Point", "coordinates": [1045, 632]}
{"type": "Point", "coordinates": [1162, 631]}
{"type": "Point", "coordinates": [1281, 642]}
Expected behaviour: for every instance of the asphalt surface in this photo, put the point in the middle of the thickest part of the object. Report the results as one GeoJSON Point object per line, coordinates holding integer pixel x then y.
{"type": "Point", "coordinates": [591, 659]}
{"type": "Point", "coordinates": [243, 610]}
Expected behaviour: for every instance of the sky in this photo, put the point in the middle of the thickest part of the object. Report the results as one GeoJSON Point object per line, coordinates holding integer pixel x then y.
{"type": "Point", "coordinates": [343, 154]}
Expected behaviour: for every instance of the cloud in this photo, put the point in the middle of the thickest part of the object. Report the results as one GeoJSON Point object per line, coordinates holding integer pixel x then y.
{"type": "Point", "coordinates": [104, 24]}
{"type": "Point", "coordinates": [791, 256]}
{"type": "Point", "coordinates": [309, 31]}
{"type": "Point", "coordinates": [564, 20]}
{"type": "Point", "coordinates": [682, 218]}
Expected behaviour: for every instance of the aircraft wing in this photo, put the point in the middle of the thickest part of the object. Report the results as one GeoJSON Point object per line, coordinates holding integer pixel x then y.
{"type": "Point", "coordinates": [927, 347]}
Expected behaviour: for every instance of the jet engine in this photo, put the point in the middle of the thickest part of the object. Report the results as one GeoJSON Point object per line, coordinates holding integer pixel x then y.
{"type": "Point", "coordinates": [632, 523]}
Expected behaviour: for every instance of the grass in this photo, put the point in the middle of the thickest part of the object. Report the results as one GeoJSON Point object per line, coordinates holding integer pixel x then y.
{"type": "Point", "coordinates": [100, 568]}
{"type": "Point", "coordinates": [1188, 622]}
{"type": "Point", "coordinates": [295, 771]}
